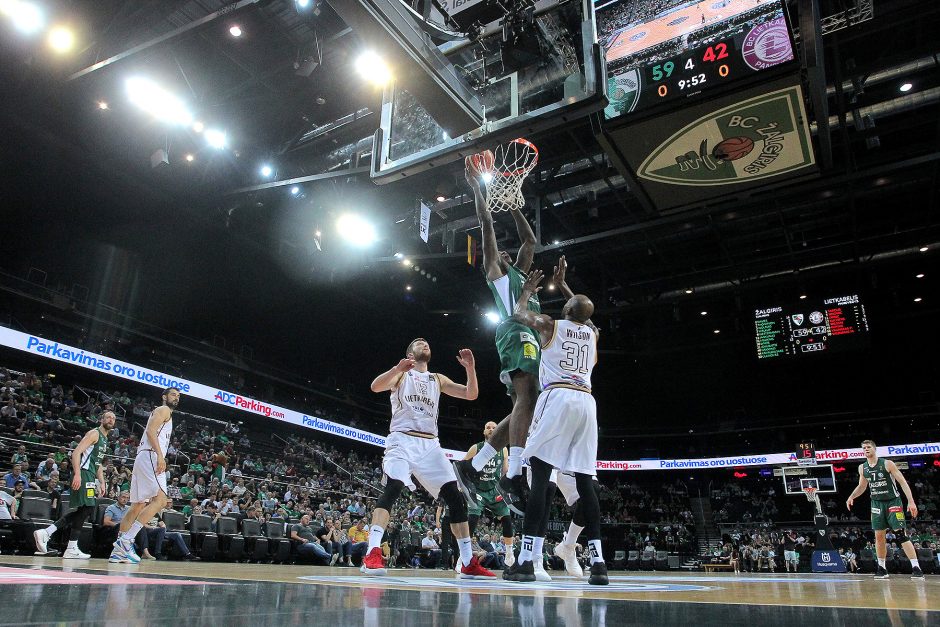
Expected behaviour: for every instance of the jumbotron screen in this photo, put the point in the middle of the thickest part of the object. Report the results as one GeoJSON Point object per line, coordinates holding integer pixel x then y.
{"type": "Point", "coordinates": [661, 51]}
{"type": "Point", "coordinates": [811, 328]}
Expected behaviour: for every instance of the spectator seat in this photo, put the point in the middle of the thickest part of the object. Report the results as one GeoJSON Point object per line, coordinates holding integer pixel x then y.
{"type": "Point", "coordinates": [661, 561]}
{"type": "Point", "coordinates": [633, 560]}
{"type": "Point", "coordinates": [256, 545]}
{"type": "Point", "coordinates": [231, 544]}
{"type": "Point", "coordinates": [204, 542]}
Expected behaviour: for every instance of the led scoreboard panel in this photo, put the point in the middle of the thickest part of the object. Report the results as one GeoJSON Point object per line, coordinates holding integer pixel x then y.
{"type": "Point", "coordinates": [811, 328]}
{"type": "Point", "coordinates": [686, 49]}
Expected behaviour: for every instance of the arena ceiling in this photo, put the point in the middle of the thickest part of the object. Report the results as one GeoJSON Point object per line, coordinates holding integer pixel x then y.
{"type": "Point", "coordinates": [81, 184]}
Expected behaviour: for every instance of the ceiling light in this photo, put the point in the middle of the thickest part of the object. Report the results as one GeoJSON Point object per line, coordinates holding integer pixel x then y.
{"type": "Point", "coordinates": [487, 177]}
{"type": "Point", "coordinates": [920, 276]}
{"type": "Point", "coordinates": [102, 105]}
{"type": "Point", "coordinates": [266, 171]}
{"type": "Point", "coordinates": [406, 262]}
{"type": "Point", "coordinates": [61, 39]}
{"type": "Point", "coordinates": [317, 233]}
{"type": "Point", "coordinates": [372, 68]}
{"type": "Point", "coordinates": [923, 249]}
{"type": "Point", "coordinates": [492, 316]}
{"type": "Point", "coordinates": [235, 31]}
{"type": "Point", "coordinates": [398, 256]}
{"type": "Point", "coordinates": [555, 242]}
{"type": "Point", "coordinates": [190, 157]}
{"type": "Point", "coordinates": [551, 287]}
{"type": "Point", "coordinates": [704, 313]}
{"type": "Point", "coordinates": [441, 198]}
{"type": "Point", "coordinates": [918, 299]}
{"type": "Point", "coordinates": [198, 127]}
{"type": "Point", "coordinates": [303, 4]}
{"type": "Point", "coordinates": [716, 331]}
{"type": "Point", "coordinates": [408, 288]}
{"type": "Point", "coordinates": [216, 138]}
{"type": "Point", "coordinates": [446, 314]}
{"type": "Point", "coordinates": [802, 296]}
{"type": "Point", "coordinates": [294, 190]}
{"type": "Point", "coordinates": [905, 87]}
{"type": "Point", "coordinates": [356, 230]}
{"type": "Point", "coordinates": [26, 16]}
{"type": "Point", "coordinates": [158, 102]}
{"type": "Point", "coordinates": [688, 290]}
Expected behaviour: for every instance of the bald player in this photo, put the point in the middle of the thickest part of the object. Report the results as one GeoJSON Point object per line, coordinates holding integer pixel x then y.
{"type": "Point", "coordinates": [488, 498]}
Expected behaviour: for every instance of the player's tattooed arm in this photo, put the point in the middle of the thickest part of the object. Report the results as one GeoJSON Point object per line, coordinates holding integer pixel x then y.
{"type": "Point", "coordinates": [538, 322]}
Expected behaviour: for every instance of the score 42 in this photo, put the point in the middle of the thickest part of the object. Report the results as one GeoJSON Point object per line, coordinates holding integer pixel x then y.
{"type": "Point", "coordinates": [712, 53]}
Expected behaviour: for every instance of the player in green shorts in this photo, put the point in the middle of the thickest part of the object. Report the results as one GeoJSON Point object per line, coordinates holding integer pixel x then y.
{"type": "Point", "coordinates": [882, 477]}
{"type": "Point", "coordinates": [87, 485]}
{"type": "Point", "coordinates": [517, 344]}
{"type": "Point", "coordinates": [488, 497]}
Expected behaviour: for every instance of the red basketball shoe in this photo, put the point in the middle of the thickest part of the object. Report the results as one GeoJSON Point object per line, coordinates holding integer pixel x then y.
{"type": "Point", "coordinates": [473, 570]}
{"type": "Point", "coordinates": [373, 563]}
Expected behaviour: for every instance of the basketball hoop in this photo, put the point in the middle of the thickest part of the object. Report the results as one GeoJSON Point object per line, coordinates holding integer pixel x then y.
{"type": "Point", "coordinates": [512, 162]}
{"type": "Point", "coordinates": [810, 494]}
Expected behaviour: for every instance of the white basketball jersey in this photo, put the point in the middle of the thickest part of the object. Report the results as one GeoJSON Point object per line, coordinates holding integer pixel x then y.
{"type": "Point", "coordinates": [569, 357]}
{"type": "Point", "coordinates": [163, 437]}
{"type": "Point", "coordinates": [415, 402]}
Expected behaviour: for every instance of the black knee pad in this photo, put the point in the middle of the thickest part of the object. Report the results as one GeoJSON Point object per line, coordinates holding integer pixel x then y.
{"type": "Point", "coordinates": [507, 526]}
{"type": "Point", "coordinates": [393, 488]}
{"type": "Point", "coordinates": [451, 495]}
{"type": "Point", "coordinates": [901, 536]}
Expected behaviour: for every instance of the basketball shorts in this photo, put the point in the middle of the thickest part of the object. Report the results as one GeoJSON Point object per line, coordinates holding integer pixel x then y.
{"type": "Point", "coordinates": [564, 431]}
{"type": "Point", "coordinates": [791, 556]}
{"type": "Point", "coordinates": [87, 493]}
{"type": "Point", "coordinates": [407, 455]}
{"type": "Point", "coordinates": [887, 515]}
{"type": "Point", "coordinates": [490, 500]}
{"type": "Point", "coordinates": [146, 482]}
{"type": "Point", "coordinates": [518, 348]}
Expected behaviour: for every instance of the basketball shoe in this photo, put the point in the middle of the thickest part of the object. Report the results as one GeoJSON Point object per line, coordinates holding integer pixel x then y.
{"type": "Point", "coordinates": [473, 570]}
{"type": "Point", "coordinates": [567, 553]}
{"type": "Point", "coordinates": [467, 478]}
{"type": "Point", "coordinates": [521, 572]}
{"type": "Point", "coordinates": [540, 575]}
{"type": "Point", "coordinates": [42, 541]}
{"type": "Point", "coordinates": [373, 563]}
{"type": "Point", "coordinates": [599, 574]}
{"type": "Point", "coordinates": [514, 491]}
{"type": "Point", "coordinates": [75, 554]}
{"type": "Point", "coordinates": [882, 573]}
{"type": "Point", "coordinates": [917, 573]}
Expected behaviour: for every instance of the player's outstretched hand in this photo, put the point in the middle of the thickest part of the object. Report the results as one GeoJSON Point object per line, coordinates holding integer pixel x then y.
{"type": "Point", "coordinates": [405, 365]}
{"type": "Point", "coordinates": [465, 358]}
{"type": "Point", "coordinates": [849, 503]}
{"type": "Point", "coordinates": [475, 165]}
{"type": "Point", "coordinates": [532, 282]}
{"type": "Point", "coordinates": [558, 275]}
{"type": "Point", "coordinates": [912, 508]}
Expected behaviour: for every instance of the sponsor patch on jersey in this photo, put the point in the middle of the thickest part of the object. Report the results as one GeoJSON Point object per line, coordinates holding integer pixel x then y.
{"type": "Point", "coordinates": [876, 510]}
{"type": "Point", "coordinates": [900, 515]}
{"type": "Point", "coordinates": [91, 489]}
{"type": "Point", "coordinates": [529, 351]}
{"type": "Point", "coordinates": [526, 337]}
{"type": "Point", "coordinates": [895, 508]}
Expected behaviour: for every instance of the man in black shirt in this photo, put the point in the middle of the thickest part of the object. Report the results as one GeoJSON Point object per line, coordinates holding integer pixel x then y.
{"type": "Point", "coordinates": [328, 541]}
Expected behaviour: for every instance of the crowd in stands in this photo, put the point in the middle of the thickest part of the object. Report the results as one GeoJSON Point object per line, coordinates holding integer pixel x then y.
{"type": "Point", "coordinates": [622, 14]}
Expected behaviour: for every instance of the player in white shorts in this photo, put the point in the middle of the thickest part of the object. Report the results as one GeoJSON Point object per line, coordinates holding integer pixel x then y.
{"type": "Point", "coordinates": [563, 434]}
{"type": "Point", "coordinates": [148, 480]}
{"type": "Point", "coordinates": [412, 448]}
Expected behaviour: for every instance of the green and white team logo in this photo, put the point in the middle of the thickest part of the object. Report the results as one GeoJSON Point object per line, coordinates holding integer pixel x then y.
{"type": "Point", "coordinates": [759, 138]}
{"type": "Point", "coordinates": [623, 92]}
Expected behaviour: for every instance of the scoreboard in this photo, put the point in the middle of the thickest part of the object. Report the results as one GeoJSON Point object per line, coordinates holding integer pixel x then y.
{"type": "Point", "coordinates": [734, 39]}
{"type": "Point", "coordinates": [811, 328]}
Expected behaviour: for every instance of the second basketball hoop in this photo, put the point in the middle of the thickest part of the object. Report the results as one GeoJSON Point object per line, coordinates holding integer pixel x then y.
{"type": "Point", "coordinates": [511, 163]}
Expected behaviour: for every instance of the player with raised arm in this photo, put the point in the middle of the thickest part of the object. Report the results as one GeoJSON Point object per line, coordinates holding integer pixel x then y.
{"type": "Point", "coordinates": [148, 479]}
{"type": "Point", "coordinates": [87, 486]}
{"type": "Point", "coordinates": [564, 432]}
{"type": "Point", "coordinates": [516, 343]}
{"type": "Point", "coordinates": [412, 448]}
{"type": "Point", "coordinates": [883, 477]}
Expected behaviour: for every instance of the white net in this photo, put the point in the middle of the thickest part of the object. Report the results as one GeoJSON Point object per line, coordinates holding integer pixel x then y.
{"type": "Point", "coordinates": [810, 494]}
{"type": "Point", "coordinates": [512, 162]}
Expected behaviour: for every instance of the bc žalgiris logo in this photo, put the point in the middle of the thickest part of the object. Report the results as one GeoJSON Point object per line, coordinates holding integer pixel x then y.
{"type": "Point", "coordinates": [759, 138]}
{"type": "Point", "coordinates": [623, 91]}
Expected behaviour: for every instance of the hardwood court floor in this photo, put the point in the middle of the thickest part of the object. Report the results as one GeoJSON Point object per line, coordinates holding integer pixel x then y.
{"type": "Point", "coordinates": [47, 590]}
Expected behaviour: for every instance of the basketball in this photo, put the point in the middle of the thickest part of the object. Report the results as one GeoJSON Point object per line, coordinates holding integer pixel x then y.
{"type": "Point", "coordinates": [733, 148]}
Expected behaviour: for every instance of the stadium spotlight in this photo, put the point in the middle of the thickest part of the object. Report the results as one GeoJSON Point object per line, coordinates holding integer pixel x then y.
{"type": "Point", "coordinates": [688, 290]}
{"type": "Point", "coordinates": [703, 313]}
{"type": "Point", "coordinates": [294, 190]}
{"type": "Point", "coordinates": [551, 287]}
{"type": "Point", "coordinates": [157, 101]}
{"type": "Point", "coordinates": [266, 171]}
{"type": "Point", "coordinates": [487, 177]}
{"type": "Point", "coordinates": [716, 331]}
{"type": "Point", "coordinates": [102, 105]}
{"type": "Point", "coordinates": [235, 31]}
{"type": "Point", "coordinates": [440, 198]}
{"type": "Point", "coordinates": [371, 67]}
{"type": "Point", "coordinates": [406, 262]}
{"type": "Point", "coordinates": [355, 230]}
{"type": "Point", "coordinates": [492, 316]}
{"type": "Point", "coordinates": [408, 288]}
{"type": "Point", "coordinates": [924, 249]}
{"type": "Point", "coordinates": [61, 39]}
{"type": "Point", "coordinates": [216, 138]}
{"type": "Point", "coordinates": [918, 299]}
{"type": "Point", "coordinates": [919, 276]}
{"type": "Point", "coordinates": [802, 296]}
{"type": "Point", "coordinates": [906, 87]}
{"type": "Point", "coordinates": [198, 127]}
{"type": "Point", "coordinates": [26, 16]}
{"type": "Point", "coordinates": [190, 157]}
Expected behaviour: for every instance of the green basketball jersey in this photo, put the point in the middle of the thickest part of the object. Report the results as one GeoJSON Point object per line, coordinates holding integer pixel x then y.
{"type": "Point", "coordinates": [880, 482]}
{"type": "Point", "coordinates": [506, 290]}
{"type": "Point", "coordinates": [491, 472]}
{"type": "Point", "coordinates": [93, 456]}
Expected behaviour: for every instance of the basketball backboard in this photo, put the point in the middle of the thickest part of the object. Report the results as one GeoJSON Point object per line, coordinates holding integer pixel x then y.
{"type": "Point", "coordinates": [531, 70]}
{"type": "Point", "coordinates": [798, 478]}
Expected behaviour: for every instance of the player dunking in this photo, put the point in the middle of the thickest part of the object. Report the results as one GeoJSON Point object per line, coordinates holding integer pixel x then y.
{"type": "Point", "coordinates": [148, 481]}
{"type": "Point", "coordinates": [87, 485]}
{"type": "Point", "coordinates": [412, 448]}
{"type": "Point", "coordinates": [882, 477]}
{"type": "Point", "coordinates": [517, 344]}
{"type": "Point", "coordinates": [487, 496]}
{"type": "Point", "coordinates": [564, 431]}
